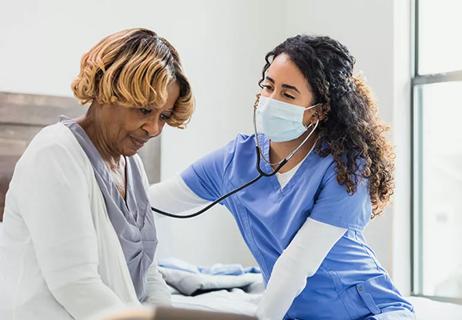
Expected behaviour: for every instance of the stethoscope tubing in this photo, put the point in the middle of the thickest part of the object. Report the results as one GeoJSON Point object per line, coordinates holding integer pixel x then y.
{"type": "Point", "coordinates": [261, 174]}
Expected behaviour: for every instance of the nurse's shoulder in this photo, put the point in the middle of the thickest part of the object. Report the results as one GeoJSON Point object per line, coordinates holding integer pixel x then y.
{"type": "Point", "coordinates": [328, 168]}
{"type": "Point", "coordinates": [338, 206]}
{"type": "Point", "coordinates": [240, 148]}
{"type": "Point", "coordinates": [243, 143]}
{"type": "Point", "coordinates": [241, 151]}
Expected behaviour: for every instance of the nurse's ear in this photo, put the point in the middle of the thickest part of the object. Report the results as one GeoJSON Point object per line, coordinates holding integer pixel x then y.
{"type": "Point", "coordinates": [317, 112]}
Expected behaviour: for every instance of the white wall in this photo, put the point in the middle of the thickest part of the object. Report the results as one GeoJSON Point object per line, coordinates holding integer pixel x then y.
{"type": "Point", "coordinates": [224, 64]}
{"type": "Point", "coordinates": [222, 44]}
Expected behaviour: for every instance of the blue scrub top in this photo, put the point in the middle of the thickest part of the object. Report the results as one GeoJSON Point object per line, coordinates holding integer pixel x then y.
{"type": "Point", "coordinates": [350, 283]}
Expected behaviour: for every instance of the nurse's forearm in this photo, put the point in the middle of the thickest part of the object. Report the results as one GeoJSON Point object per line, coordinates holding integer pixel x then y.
{"type": "Point", "coordinates": [174, 196]}
{"type": "Point", "coordinates": [281, 290]}
{"type": "Point", "coordinates": [300, 260]}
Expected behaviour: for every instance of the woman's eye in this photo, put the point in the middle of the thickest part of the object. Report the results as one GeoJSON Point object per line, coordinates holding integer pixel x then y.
{"type": "Point", "coordinates": [145, 111]}
{"type": "Point", "coordinates": [165, 116]}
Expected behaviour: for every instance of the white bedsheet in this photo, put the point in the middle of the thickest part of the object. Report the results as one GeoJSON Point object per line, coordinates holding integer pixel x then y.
{"type": "Point", "coordinates": [427, 309]}
{"type": "Point", "coordinates": [238, 301]}
{"type": "Point", "coordinates": [233, 301]}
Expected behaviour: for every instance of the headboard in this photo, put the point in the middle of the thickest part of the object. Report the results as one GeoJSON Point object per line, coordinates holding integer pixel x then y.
{"type": "Point", "coordinates": [23, 115]}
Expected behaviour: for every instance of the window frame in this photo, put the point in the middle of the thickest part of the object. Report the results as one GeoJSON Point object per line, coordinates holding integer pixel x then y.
{"type": "Point", "coordinates": [418, 81]}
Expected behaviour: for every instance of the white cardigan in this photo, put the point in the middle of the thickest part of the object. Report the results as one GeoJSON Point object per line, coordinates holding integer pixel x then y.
{"type": "Point", "coordinates": [60, 257]}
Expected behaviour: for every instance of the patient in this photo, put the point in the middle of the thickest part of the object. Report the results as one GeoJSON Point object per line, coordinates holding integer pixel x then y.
{"type": "Point", "coordinates": [79, 235]}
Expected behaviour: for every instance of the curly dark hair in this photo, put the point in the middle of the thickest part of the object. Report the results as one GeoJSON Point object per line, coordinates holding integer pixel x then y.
{"type": "Point", "coordinates": [349, 128]}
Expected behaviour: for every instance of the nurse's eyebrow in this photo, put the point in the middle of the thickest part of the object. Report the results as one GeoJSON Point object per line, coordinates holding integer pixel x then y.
{"type": "Point", "coordinates": [284, 85]}
{"type": "Point", "coordinates": [288, 86]}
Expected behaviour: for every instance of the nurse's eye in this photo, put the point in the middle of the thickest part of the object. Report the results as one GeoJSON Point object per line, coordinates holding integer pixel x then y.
{"type": "Point", "coordinates": [145, 111]}
{"type": "Point", "coordinates": [289, 96]}
{"type": "Point", "coordinates": [266, 87]}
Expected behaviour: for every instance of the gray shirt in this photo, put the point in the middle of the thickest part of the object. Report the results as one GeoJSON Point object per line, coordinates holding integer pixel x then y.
{"type": "Point", "coordinates": [132, 218]}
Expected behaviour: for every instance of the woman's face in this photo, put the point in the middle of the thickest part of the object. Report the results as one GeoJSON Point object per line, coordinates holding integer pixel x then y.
{"type": "Point", "coordinates": [126, 130]}
{"type": "Point", "coordinates": [285, 82]}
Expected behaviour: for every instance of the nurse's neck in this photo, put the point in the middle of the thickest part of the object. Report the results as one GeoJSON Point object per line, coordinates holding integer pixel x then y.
{"type": "Point", "coordinates": [279, 150]}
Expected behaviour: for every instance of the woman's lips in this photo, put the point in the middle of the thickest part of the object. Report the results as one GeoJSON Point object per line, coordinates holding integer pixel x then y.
{"type": "Point", "coordinates": [138, 142]}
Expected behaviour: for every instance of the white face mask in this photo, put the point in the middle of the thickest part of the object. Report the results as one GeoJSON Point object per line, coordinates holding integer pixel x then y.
{"type": "Point", "coordinates": [280, 121]}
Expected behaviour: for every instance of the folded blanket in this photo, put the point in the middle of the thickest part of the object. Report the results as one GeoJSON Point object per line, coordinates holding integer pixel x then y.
{"type": "Point", "coordinates": [216, 269]}
{"type": "Point", "coordinates": [192, 280]}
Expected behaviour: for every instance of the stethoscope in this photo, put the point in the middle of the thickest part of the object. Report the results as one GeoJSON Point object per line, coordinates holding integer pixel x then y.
{"type": "Point", "coordinates": [261, 173]}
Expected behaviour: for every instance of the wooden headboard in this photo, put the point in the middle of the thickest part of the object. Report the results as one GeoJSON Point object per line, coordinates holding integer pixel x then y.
{"type": "Point", "coordinates": [23, 115]}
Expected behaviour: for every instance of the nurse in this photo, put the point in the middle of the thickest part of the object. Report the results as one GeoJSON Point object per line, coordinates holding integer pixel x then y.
{"type": "Point", "coordinates": [304, 225]}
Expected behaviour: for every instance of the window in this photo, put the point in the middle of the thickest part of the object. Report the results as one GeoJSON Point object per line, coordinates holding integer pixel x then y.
{"type": "Point", "coordinates": [437, 150]}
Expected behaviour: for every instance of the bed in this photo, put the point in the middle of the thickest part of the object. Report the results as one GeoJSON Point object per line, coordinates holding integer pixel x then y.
{"type": "Point", "coordinates": [244, 296]}
{"type": "Point", "coordinates": [426, 309]}
{"type": "Point", "coordinates": [244, 300]}
{"type": "Point", "coordinates": [239, 301]}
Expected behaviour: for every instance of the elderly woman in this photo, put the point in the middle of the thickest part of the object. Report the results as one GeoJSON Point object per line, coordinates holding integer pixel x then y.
{"type": "Point", "coordinates": [79, 235]}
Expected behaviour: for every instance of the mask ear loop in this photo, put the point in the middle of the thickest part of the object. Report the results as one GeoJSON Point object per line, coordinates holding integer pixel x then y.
{"type": "Point", "coordinates": [293, 152]}
{"type": "Point", "coordinates": [309, 108]}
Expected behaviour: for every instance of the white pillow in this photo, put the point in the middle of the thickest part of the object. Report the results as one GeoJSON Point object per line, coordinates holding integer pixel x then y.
{"type": "Point", "coordinates": [427, 309]}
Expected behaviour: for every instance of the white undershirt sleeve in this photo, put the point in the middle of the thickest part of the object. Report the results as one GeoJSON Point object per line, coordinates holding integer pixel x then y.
{"type": "Point", "coordinates": [174, 196]}
{"type": "Point", "coordinates": [300, 260]}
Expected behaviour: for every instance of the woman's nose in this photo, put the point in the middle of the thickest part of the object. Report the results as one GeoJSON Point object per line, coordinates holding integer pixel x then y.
{"type": "Point", "coordinates": [152, 126]}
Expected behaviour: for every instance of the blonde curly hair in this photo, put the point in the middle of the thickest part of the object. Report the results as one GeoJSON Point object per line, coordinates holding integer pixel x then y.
{"type": "Point", "coordinates": [133, 68]}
